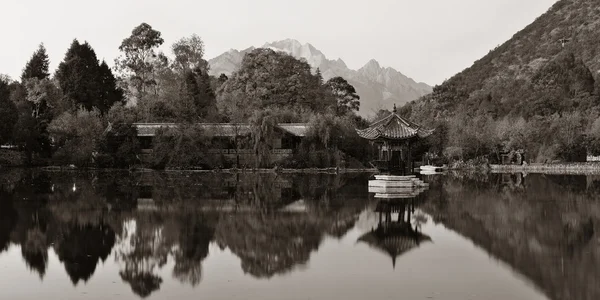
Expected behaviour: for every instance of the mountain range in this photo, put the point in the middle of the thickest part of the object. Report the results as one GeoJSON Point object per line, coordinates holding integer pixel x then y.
{"type": "Point", "coordinates": [379, 87]}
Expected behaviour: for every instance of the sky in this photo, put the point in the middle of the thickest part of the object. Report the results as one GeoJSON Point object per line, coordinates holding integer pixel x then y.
{"type": "Point", "coordinates": [427, 40]}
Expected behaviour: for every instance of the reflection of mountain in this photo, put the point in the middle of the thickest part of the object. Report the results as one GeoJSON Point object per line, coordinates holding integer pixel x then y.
{"type": "Point", "coordinates": [144, 220]}
{"type": "Point", "coordinates": [544, 229]}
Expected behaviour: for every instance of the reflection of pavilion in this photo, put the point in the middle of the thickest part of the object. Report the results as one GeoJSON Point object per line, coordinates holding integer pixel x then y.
{"type": "Point", "coordinates": [395, 236]}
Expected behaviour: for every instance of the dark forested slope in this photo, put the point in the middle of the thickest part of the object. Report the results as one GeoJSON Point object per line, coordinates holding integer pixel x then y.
{"type": "Point", "coordinates": [537, 92]}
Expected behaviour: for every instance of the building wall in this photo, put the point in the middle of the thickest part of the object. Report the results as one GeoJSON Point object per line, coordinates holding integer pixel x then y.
{"type": "Point", "coordinates": [224, 155]}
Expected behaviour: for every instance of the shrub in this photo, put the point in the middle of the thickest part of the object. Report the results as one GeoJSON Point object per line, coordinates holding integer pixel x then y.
{"type": "Point", "coordinates": [122, 145]}
{"type": "Point", "coordinates": [76, 136]}
{"type": "Point", "coordinates": [11, 158]}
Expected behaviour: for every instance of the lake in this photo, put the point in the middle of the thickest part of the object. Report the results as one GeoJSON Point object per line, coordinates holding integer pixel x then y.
{"type": "Point", "coordinates": [152, 235]}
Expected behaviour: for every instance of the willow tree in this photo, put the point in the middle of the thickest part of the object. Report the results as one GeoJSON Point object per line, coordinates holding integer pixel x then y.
{"type": "Point", "coordinates": [263, 130]}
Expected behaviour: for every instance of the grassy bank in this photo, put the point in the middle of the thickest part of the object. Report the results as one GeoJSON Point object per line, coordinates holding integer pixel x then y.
{"type": "Point", "coordinates": [556, 168]}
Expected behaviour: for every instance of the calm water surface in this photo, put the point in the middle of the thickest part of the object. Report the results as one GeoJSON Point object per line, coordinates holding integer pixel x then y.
{"type": "Point", "coordinates": [113, 235]}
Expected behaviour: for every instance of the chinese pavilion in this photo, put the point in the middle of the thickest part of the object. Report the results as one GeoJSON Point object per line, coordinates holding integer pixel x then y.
{"type": "Point", "coordinates": [393, 137]}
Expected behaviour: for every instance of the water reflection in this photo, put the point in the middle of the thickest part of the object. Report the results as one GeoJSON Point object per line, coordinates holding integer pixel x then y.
{"type": "Point", "coordinates": [543, 226]}
{"type": "Point", "coordinates": [146, 230]}
{"type": "Point", "coordinates": [396, 237]}
{"type": "Point", "coordinates": [272, 223]}
{"type": "Point", "coordinates": [81, 247]}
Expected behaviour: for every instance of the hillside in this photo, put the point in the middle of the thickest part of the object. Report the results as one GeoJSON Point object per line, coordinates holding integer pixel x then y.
{"type": "Point", "coordinates": [377, 86]}
{"type": "Point", "coordinates": [538, 91]}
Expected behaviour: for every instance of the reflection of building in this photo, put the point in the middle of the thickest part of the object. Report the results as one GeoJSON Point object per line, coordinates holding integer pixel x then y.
{"type": "Point", "coordinates": [513, 180]}
{"type": "Point", "coordinates": [393, 136]}
{"type": "Point", "coordinates": [225, 193]}
{"type": "Point", "coordinates": [395, 236]}
{"type": "Point", "coordinates": [275, 225]}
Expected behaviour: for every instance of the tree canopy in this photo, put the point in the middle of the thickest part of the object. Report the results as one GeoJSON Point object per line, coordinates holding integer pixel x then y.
{"type": "Point", "coordinates": [37, 66]}
{"type": "Point", "coordinates": [137, 60]}
{"type": "Point", "coordinates": [347, 98]}
{"type": "Point", "coordinates": [269, 79]}
{"type": "Point", "coordinates": [189, 54]}
{"type": "Point", "coordinates": [86, 82]}
{"type": "Point", "coordinates": [8, 112]}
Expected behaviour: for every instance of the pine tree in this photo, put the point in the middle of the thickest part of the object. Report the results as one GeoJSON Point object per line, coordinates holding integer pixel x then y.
{"type": "Point", "coordinates": [85, 82]}
{"type": "Point", "coordinates": [319, 76]}
{"type": "Point", "coordinates": [206, 99]}
{"type": "Point", "coordinates": [197, 96]}
{"type": "Point", "coordinates": [37, 66]}
{"type": "Point", "coordinates": [190, 93]}
{"type": "Point", "coordinates": [77, 75]}
{"type": "Point", "coordinates": [110, 93]}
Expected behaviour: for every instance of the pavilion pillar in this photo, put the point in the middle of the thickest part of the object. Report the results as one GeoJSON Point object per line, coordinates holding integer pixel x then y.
{"type": "Point", "coordinates": [409, 159]}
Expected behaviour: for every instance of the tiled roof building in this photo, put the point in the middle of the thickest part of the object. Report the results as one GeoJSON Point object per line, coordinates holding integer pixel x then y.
{"type": "Point", "coordinates": [393, 137]}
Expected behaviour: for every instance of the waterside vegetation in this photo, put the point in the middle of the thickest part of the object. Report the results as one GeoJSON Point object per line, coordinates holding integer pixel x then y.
{"type": "Point", "coordinates": [82, 115]}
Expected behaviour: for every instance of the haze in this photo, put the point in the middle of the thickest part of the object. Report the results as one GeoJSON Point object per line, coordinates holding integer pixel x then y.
{"type": "Point", "coordinates": [428, 40]}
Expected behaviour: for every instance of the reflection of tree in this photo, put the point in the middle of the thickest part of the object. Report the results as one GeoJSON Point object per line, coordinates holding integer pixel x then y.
{"type": "Point", "coordinates": [34, 250]}
{"type": "Point", "coordinates": [86, 214]}
{"type": "Point", "coordinates": [34, 235]}
{"type": "Point", "coordinates": [143, 250]}
{"type": "Point", "coordinates": [270, 244]}
{"type": "Point", "coordinates": [194, 239]}
{"type": "Point", "coordinates": [142, 282]}
{"type": "Point", "coordinates": [8, 220]}
{"type": "Point", "coordinates": [336, 199]}
{"type": "Point", "coordinates": [341, 223]}
{"type": "Point", "coordinates": [82, 247]}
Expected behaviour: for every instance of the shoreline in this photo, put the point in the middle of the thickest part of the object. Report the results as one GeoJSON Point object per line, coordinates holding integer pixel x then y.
{"type": "Point", "coordinates": [215, 171]}
{"type": "Point", "coordinates": [588, 168]}
{"type": "Point", "coordinates": [592, 168]}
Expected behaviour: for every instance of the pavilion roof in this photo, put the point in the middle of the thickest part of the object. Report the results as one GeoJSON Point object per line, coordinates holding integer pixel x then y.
{"type": "Point", "coordinates": [394, 127]}
{"type": "Point", "coordinates": [395, 240]}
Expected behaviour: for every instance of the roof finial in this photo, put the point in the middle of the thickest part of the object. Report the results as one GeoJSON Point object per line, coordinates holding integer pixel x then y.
{"type": "Point", "coordinates": [394, 107]}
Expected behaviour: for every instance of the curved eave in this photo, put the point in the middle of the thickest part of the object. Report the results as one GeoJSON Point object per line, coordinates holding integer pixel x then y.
{"type": "Point", "coordinates": [421, 133]}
